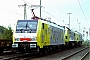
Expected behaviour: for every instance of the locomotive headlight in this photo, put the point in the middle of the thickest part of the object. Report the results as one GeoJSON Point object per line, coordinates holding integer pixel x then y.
{"type": "Point", "coordinates": [33, 38]}
{"type": "Point", "coordinates": [14, 45]}
{"type": "Point", "coordinates": [32, 45]}
{"type": "Point", "coordinates": [17, 39]}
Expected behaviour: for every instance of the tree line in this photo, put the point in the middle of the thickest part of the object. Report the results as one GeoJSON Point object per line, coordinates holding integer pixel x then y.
{"type": "Point", "coordinates": [6, 33]}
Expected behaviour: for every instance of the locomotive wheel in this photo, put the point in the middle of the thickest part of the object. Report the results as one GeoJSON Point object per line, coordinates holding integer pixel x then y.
{"type": "Point", "coordinates": [59, 48]}
{"type": "Point", "coordinates": [80, 44]}
{"type": "Point", "coordinates": [50, 49]}
{"type": "Point", "coordinates": [73, 44]}
{"type": "Point", "coordinates": [39, 50]}
{"type": "Point", "coordinates": [46, 51]}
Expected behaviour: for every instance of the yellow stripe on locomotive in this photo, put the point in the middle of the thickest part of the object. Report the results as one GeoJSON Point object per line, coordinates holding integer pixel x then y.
{"type": "Point", "coordinates": [42, 34]}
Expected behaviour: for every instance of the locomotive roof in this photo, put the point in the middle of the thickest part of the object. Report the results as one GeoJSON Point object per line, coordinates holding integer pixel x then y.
{"type": "Point", "coordinates": [52, 24]}
{"type": "Point", "coordinates": [66, 28]}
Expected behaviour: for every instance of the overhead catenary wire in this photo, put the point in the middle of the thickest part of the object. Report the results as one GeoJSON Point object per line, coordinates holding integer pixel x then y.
{"type": "Point", "coordinates": [45, 11]}
{"type": "Point", "coordinates": [64, 14]}
{"type": "Point", "coordinates": [11, 11]}
{"type": "Point", "coordinates": [57, 7]}
{"type": "Point", "coordinates": [52, 15]}
{"type": "Point", "coordinates": [84, 5]}
{"type": "Point", "coordinates": [82, 11]}
{"type": "Point", "coordinates": [30, 4]}
{"type": "Point", "coordinates": [85, 8]}
{"type": "Point", "coordinates": [83, 15]}
{"type": "Point", "coordinates": [59, 10]}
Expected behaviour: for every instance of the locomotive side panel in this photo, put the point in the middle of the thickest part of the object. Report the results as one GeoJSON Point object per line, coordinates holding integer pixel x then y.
{"type": "Point", "coordinates": [67, 36]}
{"type": "Point", "coordinates": [57, 34]}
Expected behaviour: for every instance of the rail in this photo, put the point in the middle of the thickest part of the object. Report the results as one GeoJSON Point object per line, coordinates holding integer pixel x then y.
{"type": "Point", "coordinates": [73, 54]}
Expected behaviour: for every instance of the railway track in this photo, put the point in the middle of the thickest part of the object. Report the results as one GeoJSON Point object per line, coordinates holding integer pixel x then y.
{"type": "Point", "coordinates": [78, 55]}
{"type": "Point", "coordinates": [86, 55]}
{"type": "Point", "coordinates": [13, 56]}
{"type": "Point", "coordinates": [58, 55]}
{"type": "Point", "coordinates": [18, 56]}
{"type": "Point", "coordinates": [29, 56]}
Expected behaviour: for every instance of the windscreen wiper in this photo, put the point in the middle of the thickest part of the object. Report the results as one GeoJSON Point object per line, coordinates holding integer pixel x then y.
{"type": "Point", "coordinates": [28, 27]}
{"type": "Point", "coordinates": [21, 30]}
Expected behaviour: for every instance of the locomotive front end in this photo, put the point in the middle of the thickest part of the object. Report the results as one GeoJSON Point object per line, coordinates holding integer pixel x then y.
{"type": "Point", "coordinates": [25, 36]}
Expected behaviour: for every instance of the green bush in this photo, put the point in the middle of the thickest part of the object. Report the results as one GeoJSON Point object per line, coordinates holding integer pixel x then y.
{"type": "Point", "coordinates": [6, 33]}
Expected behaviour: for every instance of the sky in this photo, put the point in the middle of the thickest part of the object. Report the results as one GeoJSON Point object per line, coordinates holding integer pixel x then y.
{"type": "Point", "coordinates": [57, 10]}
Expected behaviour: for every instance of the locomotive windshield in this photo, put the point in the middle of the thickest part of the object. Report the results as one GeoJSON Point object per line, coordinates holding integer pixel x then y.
{"type": "Point", "coordinates": [26, 26]}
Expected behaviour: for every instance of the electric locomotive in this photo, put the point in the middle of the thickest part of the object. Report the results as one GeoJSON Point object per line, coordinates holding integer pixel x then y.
{"type": "Point", "coordinates": [41, 35]}
{"type": "Point", "coordinates": [72, 38]}
{"type": "Point", "coordinates": [37, 35]}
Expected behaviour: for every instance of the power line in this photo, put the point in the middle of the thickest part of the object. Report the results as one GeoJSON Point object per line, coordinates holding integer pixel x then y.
{"type": "Point", "coordinates": [82, 10]}
{"type": "Point", "coordinates": [45, 11]}
{"type": "Point", "coordinates": [84, 5]}
{"type": "Point", "coordinates": [57, 7]}
{"type": "Point", "coordinates": [62, 12]}
{"type": "Point", "coordinates": [52, 15]}
{"type": "Point", "coordinates": [11, 11]}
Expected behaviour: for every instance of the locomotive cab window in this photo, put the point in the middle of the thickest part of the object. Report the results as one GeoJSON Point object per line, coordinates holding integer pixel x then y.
{"type": "Point", "coordinates": [26, 25]}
